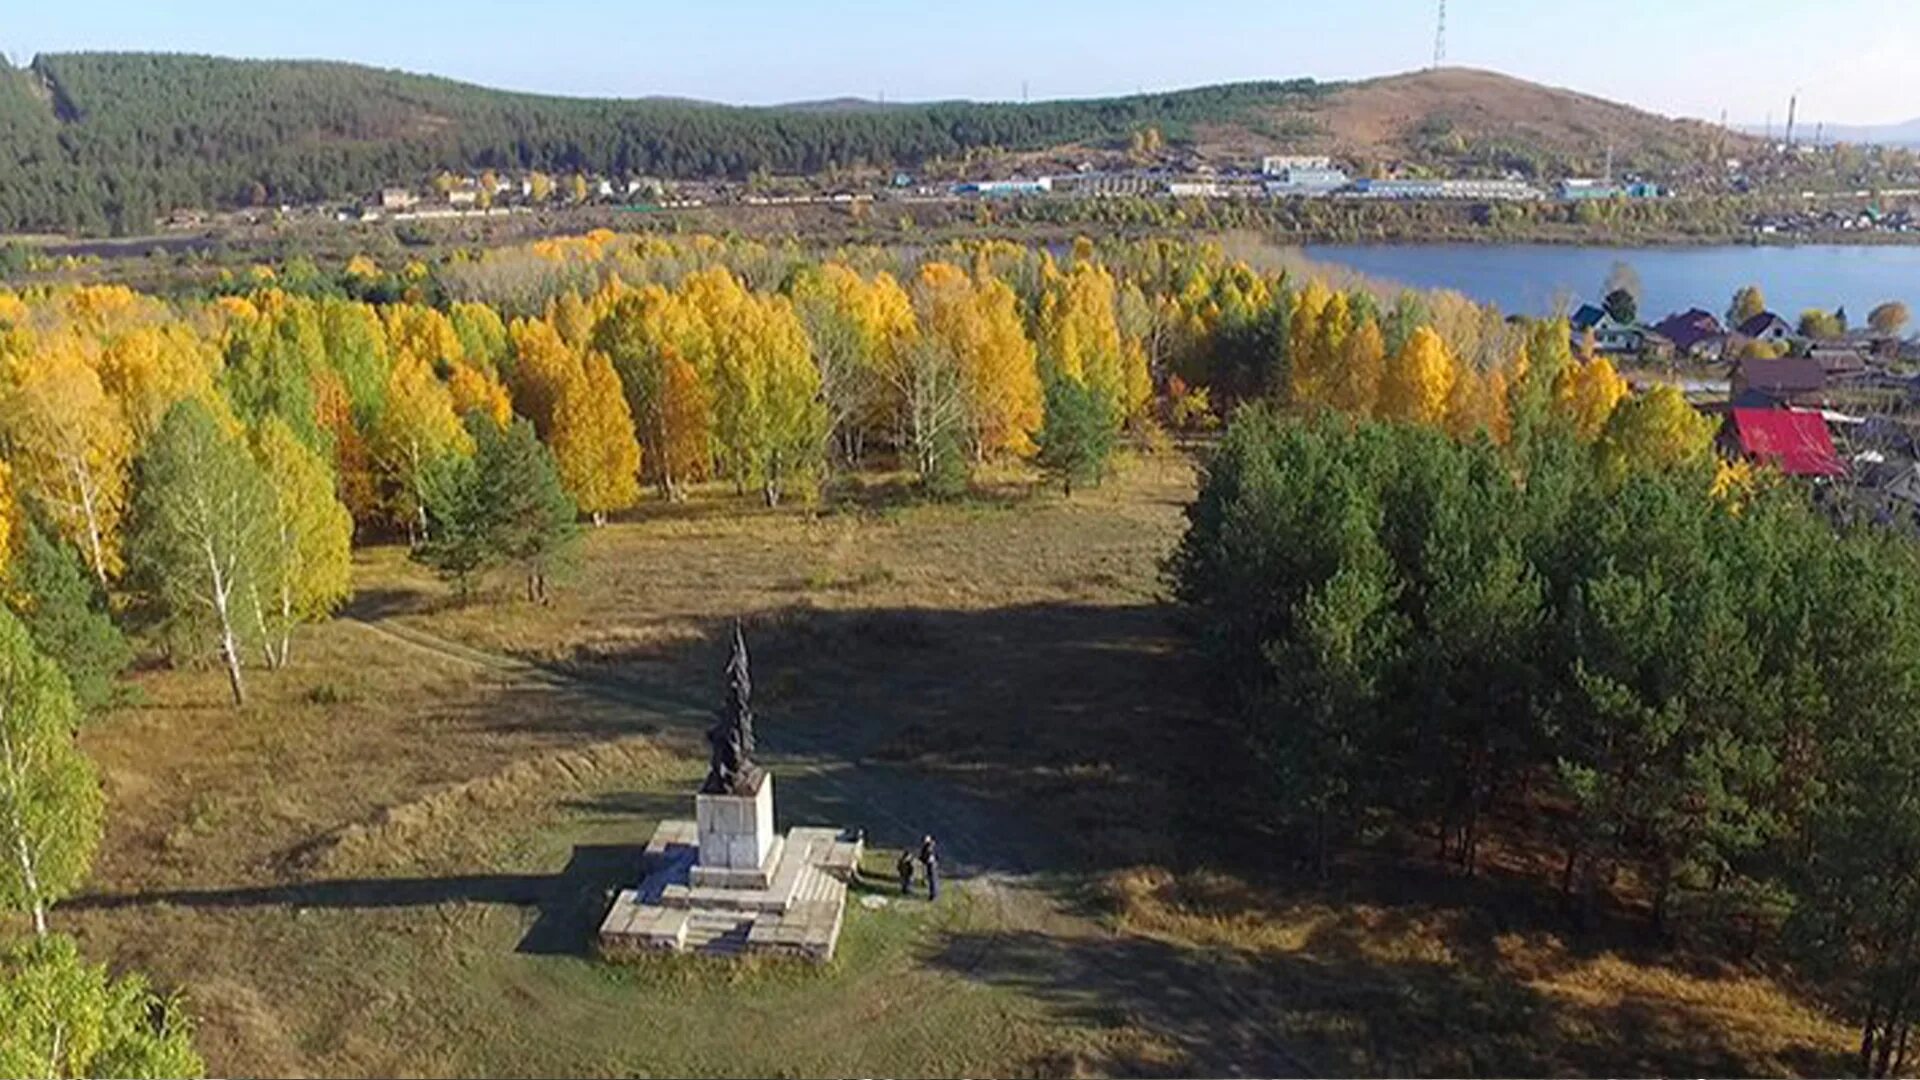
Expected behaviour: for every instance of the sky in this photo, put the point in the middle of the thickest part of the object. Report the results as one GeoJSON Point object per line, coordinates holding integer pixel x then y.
{"type": "Point", "coordinates": [1853, 61]}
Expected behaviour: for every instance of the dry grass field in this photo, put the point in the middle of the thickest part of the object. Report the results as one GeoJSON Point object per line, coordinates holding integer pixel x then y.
{"type": "Point", "coordinates": [389, 862]}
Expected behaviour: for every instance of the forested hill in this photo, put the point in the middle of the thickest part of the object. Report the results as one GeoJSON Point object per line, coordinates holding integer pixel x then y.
{"type": "Point", "coordinates": [102, 141]}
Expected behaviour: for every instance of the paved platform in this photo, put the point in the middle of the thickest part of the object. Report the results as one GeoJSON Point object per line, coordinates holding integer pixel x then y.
{"type": "Point", "coordinates": [793, 905]}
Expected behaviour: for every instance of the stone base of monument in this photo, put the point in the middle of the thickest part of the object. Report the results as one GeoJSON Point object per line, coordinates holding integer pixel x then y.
{"type": "Point", "coordinates": [726, 884]}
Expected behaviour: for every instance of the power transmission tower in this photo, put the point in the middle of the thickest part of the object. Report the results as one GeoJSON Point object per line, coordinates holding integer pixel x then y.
{"type": "Point", "coordinates": [1440, 37]}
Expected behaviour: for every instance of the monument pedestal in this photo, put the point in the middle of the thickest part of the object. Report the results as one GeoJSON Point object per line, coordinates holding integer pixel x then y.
{"type": "Point", "coordinates": [726, 883]}
{"type": "Point", "coordinates": [736, 831]}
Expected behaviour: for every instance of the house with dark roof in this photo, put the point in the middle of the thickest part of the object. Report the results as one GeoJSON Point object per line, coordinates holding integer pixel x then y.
{"type": "Point", "coordinates": [1695, 334]}
{"type": "Point", "coordinates": [1766, 327]}
{"type": "Point", "coordinates": [1610, 335]}
{"type": "Point", "coordinates": [1839, 359]}
{"type": "Point", "coordinates": [1795, 442]}
{"type": "Point", "coordinates": [1797, 380]}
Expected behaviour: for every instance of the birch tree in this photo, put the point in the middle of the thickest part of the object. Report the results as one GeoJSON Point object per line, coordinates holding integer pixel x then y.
{"type": "Point", "coordinates": [61, 1016]}
{"type": "Point", "coordinates": [203, 529]}
{"type": "Point", "coordinates": [309, 567]}
{"type": "Point", "coordinates": [51, 809]}
{"type": "Point", "coordinates": [69, 444]}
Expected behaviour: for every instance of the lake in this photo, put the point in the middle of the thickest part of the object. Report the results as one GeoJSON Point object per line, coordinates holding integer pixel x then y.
{"type": "Point", "coordinates": [1524, 278]}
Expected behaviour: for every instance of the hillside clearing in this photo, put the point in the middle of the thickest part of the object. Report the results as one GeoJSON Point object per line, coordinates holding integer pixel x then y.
{"type": "Point", "coordinates": [387, 864]}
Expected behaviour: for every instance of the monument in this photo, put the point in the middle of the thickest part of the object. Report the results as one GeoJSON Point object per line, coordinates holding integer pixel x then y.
{"type": "Point", "coordinates": [726, 882]}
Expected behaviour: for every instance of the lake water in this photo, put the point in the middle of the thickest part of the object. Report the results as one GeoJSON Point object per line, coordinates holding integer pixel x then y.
{"type": "Point", "coordinates": [1525, 278]}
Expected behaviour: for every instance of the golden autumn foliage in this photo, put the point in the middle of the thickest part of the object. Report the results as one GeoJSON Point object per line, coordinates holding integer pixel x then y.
{"type": "Point", "coordinates": [1305, 370]}
{"type": "Point", "coordinates": [69, 445]}
{"type": "Point", "coordinates": [148, 368]}
{"type": "Point", "coordinates": [310, 572]}
{"type": "Point", "coordinates": [1355, 384]}
{"type": "Point", "coordinates": [10, 520]}
{"type": "Point", "coordinates": [474, 390]}
{"type": "Point", "coordinates": [976, 326]}
{"type": "Point", "coordinates": [1586, 394]}
{"type": "Point", "coordinates": [1654, 430]}
{"type": "Point", "coordinates": [421, 335]}
{"type": "Point", "coordinates": [593, 439]}
{"type": "Point", "coordinates": [418, 424]}
{"type": "Point", "coordinates": [648, 336]}
{"type": "Point", "coordinates": [354, 479]}
{"type": "Point", "coordinates": [1080, 339]}
{"type": "Point", "coordinates": [1418, 380]}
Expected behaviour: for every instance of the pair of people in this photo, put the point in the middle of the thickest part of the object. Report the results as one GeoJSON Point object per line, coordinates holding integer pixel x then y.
{"type": "Point", "coordinates": [929, 859]}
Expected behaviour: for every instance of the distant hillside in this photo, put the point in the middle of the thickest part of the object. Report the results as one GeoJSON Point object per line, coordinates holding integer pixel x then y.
{"type": "Point", "coordinates": [1469, 119]}
{"type": "Point", "coordinates": [110, 141]}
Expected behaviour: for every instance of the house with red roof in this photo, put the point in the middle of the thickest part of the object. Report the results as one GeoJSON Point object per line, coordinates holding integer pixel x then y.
{"type": "Point", "coordinates": [1795, 442]}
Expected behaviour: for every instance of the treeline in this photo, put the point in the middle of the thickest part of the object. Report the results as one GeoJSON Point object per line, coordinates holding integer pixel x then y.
{"type": "Point", "coordinates": [1697, 693]}
{"type": "Point", "coordinates": [210, 461]}
{"type": "Point", "coordinates": [113, 140]}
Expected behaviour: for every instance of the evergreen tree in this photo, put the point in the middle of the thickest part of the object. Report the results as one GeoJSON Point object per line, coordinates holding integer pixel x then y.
{"type": "Point", "coordinates": [503, 506]}
{"type": "Point", "coordinates": [65, 613]}
{"type": "Point", "coordinates": [1077, 434]}
{"type": "Point", "coordinates": [531, 517]}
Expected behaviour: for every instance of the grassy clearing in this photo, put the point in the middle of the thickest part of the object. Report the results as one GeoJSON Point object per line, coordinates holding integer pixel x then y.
{"type": "Point", "coordinates": [390, 862]}
{"type": "Point", "coordinates": [1375, 989]}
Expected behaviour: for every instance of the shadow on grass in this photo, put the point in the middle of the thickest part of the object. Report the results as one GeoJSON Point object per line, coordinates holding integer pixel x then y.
{"type": "Point", "coordinates": [1096, 710]}
{"type": "Point", "coordinates": [569, 904]}
{"type": "Point", "coordinates": [1330, 1008]}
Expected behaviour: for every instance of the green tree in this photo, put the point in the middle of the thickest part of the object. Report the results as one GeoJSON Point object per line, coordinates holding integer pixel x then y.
{"type": "Point", "coordinates": [1622, 306]}
{"type": "Point", "coordinates": [459, 545]}
{"type": "Point", "coordinates": [503, 506]}
{"type": "Point", "coordinates": [203, 533]}
{"type": "Point", "coordinates": [65, 614]}
{"type": "Point", "coordinates": [61, 1016]}
{"type": "Point", "coordinates": [1076, 433]}
{"type": "Point", "coordinates": [532, 519]}
{"type": "Point", "coordinates": [51, 809]}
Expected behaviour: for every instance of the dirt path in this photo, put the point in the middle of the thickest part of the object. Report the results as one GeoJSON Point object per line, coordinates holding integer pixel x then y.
{"type": "Point", "coordinates": [988, 848]}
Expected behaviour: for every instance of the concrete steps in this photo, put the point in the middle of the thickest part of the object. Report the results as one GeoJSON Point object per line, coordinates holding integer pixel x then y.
{"type": "Point", "coordinates": [716, 935]}
{"type": "Point", "coordinates": [799, 912]}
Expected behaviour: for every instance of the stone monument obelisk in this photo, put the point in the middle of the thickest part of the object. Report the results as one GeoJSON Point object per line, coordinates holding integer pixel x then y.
{"type": "Point", "coordinates": [726, 882]}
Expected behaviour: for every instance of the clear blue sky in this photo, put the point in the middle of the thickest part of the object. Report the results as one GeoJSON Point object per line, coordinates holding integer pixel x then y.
{"type": "Point", "coordinates": [1855, 61]}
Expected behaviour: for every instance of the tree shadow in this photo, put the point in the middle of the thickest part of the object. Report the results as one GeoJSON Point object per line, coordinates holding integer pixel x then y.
{"type": "Point", "coordinates": [568, 904]}
{"type": "Point", "coordinates": [369, 605]}
{"type": "Point", "coordinates": [1333, 1007]}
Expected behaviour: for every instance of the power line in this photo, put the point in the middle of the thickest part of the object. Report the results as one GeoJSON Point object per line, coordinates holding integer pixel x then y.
{"type": "Point", "coordinates": [1440, 37]}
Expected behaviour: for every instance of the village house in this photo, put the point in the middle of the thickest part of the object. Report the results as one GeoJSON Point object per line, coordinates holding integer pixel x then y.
{"type": "Point", "coordinates": [397, 198]}
{"type": "Point", "coordinates": [1795, 442]}
{"type": "Point", "coordinates": [1610, 335]}
{"type": "Point", "coordinates": [1839, 359]}
{"type": "Point", "coordinates": [1696, 334]}
{"type": "Point", "coordinates": [1787, 380]}
{"type": "Point", "coordinates": [1766, 327]}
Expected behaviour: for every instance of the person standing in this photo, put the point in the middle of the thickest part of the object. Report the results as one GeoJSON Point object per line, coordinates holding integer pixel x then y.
{"type": "Point", "coordinates": [930, 860]}
{"type": "Point", "coordinates": [905, 869]}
